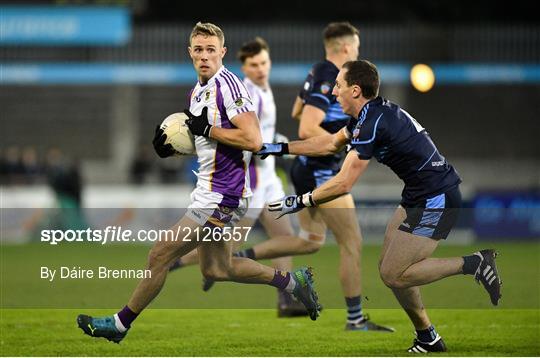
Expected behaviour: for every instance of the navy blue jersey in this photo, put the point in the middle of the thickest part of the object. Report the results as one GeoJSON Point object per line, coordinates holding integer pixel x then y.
{"type": "Point", "coordinates": [317, 92]}
{"type": "Point", "coordinates": [391, 135]}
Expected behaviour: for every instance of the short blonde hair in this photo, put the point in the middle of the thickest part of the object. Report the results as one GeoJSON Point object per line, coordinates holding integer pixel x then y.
{"type": "Point", "coordinates": [207, 29]}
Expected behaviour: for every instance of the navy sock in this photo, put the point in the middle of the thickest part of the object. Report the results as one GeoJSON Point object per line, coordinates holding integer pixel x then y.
{"type": "Point", "coordinates": [470, 264]}
{"type": "Point", "coordinates": [127, 316]}
{"type": "Point", "coordinates": [427, 335]}
{"type": "Point", "coordinates": [354, 309]}
{"type": "Point", "coordinates": [249, 253]}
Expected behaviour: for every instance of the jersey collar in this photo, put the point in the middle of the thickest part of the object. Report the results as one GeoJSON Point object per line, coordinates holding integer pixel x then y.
{"type": "Point", "coordinates": [332, 64]}
{"type": "Point", "coordinates": [363, 111]}
{"type": "Point", "coordinates": [212, 79]}
{"type": "Point", "coordinates": [246, 79]}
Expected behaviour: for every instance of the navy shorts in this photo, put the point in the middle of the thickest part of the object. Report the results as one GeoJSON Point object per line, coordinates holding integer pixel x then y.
{"type": "Point", "coordinates": [305, 178]}
{"type": "Point", "coordinates": [433, 217]}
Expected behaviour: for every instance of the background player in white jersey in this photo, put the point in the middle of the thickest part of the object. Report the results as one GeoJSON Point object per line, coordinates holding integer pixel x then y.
{"type": "Point", "coordinates": [225, 126]}
{"type": "Point", "coordinates": [265, 184]}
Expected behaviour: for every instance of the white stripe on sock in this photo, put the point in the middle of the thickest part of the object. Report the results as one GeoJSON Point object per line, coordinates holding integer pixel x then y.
{"type": "Point", "coordinates": [356, 321]}
{"type": "Point", "coordinates": [119, 326]}
{"type": "Point", "coordinates": [291, 285]}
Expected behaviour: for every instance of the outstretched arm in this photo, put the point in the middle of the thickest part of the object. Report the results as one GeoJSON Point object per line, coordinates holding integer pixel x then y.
{"type": "Point", "coordinates": [313, 147]}
{"type": "Point", "coordinates": [322, 145]}
{"type": "Point", "coordinates": [352, 168]}
{"type": "Point", "coordinates": [339, 185]}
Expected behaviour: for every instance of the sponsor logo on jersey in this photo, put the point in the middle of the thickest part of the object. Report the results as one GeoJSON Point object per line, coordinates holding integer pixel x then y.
{"type": "Point", "coordinates": [325, 87]}
{"type": "Point", "coordinates": [239, 102]}
{"type": "Point", "coordinates": [207, 96]}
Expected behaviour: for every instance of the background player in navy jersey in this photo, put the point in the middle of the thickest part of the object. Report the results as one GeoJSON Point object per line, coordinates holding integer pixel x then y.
{"type": "Point", "coordinates": [319, 113]}
{"type": "Point", "coordinates": [430, 199]}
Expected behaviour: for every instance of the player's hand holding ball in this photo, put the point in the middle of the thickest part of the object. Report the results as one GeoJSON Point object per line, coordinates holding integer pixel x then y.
{"type": "Point", "coordinates": [162, 149]}
{"type": "Point", "coordinates": [198, 125]}
{"type": "Point", "coordinates": [173, 138]}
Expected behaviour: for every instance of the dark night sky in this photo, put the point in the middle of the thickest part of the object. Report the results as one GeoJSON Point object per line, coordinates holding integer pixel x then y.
{"type": "Point", "coordinates": [380, 11]}
{"type": "Point", "coordinates": [293, 11]}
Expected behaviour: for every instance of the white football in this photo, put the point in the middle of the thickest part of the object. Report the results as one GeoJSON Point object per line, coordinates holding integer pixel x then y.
{"type": "Point", "coordinates": [178, 134]}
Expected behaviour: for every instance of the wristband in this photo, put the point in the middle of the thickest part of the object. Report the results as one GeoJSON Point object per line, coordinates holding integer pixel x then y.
{"type": "Point", "coordinates": [285, 148]}
{"type": "Point", "coordinates": [307, 199]}
{"type": "Point", "coordinates": [208, 131]}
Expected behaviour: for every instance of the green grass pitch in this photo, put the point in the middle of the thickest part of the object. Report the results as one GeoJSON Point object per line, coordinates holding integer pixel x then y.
{"type": "Point", "coordinates": [38, 317]}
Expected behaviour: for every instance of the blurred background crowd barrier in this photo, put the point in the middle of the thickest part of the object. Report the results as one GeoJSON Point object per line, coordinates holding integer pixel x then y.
{"type": "Point", "coordinates": [84, 83]}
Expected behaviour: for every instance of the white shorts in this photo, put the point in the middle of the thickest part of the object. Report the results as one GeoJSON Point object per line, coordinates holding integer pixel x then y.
{"type": "Point", "coordinates": [209, 208]}
{"type": "Point", "coordinates": [268, 189]}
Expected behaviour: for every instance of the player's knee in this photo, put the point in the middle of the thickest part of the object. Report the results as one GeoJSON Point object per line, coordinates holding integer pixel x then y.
{"type": "Point", "coordinates": [350, 248]}
{"type": "Point", "coordinates": [312, 242]}
{"type": "Point", "coordinates": [311, 247]}
{"type": "Point", "coordinates": [158, 257]}
{"type": "Point", "coordinates": [390, 277]}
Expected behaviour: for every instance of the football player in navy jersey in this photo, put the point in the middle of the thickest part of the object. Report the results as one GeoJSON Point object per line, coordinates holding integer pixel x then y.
{"type": "Point", "coordinates": [430, 199]}
{"type": "Point", "coordinates": [319, 113]}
